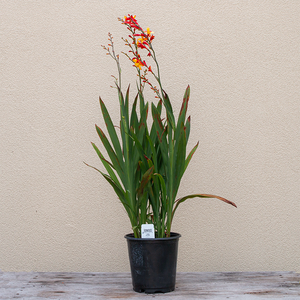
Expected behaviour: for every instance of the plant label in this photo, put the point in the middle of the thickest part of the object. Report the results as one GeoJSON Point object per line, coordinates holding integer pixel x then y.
{"type": "Point", "coordinates": [148, 231]}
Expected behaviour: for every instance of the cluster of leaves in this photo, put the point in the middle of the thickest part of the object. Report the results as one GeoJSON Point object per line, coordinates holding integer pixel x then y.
{"type": "Point", "coordinates": [147, 162]}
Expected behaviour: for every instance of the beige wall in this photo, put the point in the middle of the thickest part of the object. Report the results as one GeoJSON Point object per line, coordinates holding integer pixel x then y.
{"type": "Point", "coordinates": [241, 59]}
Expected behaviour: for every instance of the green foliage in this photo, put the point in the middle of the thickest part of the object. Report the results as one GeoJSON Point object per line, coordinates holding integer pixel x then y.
{"type": "Point", "coordinates": [146, 165]}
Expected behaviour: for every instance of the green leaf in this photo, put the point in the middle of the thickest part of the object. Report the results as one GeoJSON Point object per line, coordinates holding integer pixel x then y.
{"type": "Point", "coordinates": [169, 110]}
{"type": "Point", "coordinates": [183, 110]}
{"type": "Point", "coordinates": [179, 159]}
{"type": "Point", "coordinates": [142, 123]}
{"type": "Point", "coordinates": [118, 190]}
{"type": "Point", "coordinates": [121, 194]}
{"type": "Point", "coordinates": [126, 106]}
{"type": "Point", "coordinates": [111, 130]}
{"type": "Point", "coordinates": [108, 166]}
{"type": "Point", "coordinates": [161, 133]}
{"type": "Point", "coordinates": [154, 154]}
{"type": "Point", "coordinates": [145, 179]}
{"type": "Point", "coordinates": [163, 190]}
{"type": "Point", "coordinates": [187, 128]}
{"type": "Point", "coordinates": [128, 164]}
{"type": "Point", "coordinates": [112, 155]}
{"type": "Point", "coordinates": [134, 118]}
{"type": "Point", "coordinates": [142, 100]}
{"type": "Point", "coordinates": [123, 113]}
{"type": "Point", "coordinates": [140, 153]}
{"type": "Point", "coordinates": [188, 159]}
{"type": "Point", "coordinates": [180, 200]}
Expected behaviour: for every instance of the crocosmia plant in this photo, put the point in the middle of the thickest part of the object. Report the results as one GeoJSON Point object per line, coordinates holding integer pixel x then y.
{"type": "Point", "coordinates": [145, 163]}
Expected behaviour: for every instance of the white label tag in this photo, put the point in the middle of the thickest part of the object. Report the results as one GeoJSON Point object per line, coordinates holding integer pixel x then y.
{"type": "Point", "coordinates": [148, 231]}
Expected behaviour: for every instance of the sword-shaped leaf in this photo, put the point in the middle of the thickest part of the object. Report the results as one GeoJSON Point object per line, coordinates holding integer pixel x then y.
{"type": "Point", "coordinates": [128, 165]}
{"type": "Point", "coordinates": [153, 133]}
{"type": "Point", "coordinates": [183, 110]}
{"type": "Point", "coordinates": [188, 159]}
{"type": "Point", "coordinates": [121, 194]}
{"type": "Point", "coordinates": [134, 118]}
{"type": "Point", "coordinates": [139, 148]}
{"type": "Point", "coordinates": [126, 106]}
{"type": "Point", "coordinates": [112, 155]}
{"type": "Point", "coordinates": [111, 131]}
{"type": "Point", "coordinates": [163, 191]}
{"type": "Point", "coordinates": [180, 200]}
{"type": "Point", "coordinates": [142, 100]}
{"type": "Point", "coordinates": [118, 190]}
{"type": "Point", "coordinates": [123, 113]}
{"type": "Point", "coordinates": [161, 133]}
{"type": "Point", "coordinates": [187, 128]}
{"type": "Point", "coordinates": [179, 159]}
{"type": "Point", "coordinates": [108, 166]}
{"type": "Point", "coordinates": [169, 110]}
{"type": "Point", "coordinates": [145, 179]}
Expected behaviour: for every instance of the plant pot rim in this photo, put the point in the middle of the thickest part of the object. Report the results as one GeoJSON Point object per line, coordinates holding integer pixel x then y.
{"type": "Point", "coordinates": [174, 236]}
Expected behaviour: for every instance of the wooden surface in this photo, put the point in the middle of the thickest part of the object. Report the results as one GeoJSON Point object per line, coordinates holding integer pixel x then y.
{"type": "Point", "coordinates": [244, 285]}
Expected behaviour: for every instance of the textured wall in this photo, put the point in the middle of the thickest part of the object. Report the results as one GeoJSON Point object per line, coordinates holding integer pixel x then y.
{"type": "Point", "coordinates": [241, 59]}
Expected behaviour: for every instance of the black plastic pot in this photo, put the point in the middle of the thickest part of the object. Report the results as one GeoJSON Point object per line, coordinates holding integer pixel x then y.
{"type": "Point", "coordinates": [153, 263]}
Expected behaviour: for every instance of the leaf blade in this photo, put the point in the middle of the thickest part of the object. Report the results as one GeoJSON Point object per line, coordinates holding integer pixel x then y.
{"type": "Point", "coordinates": [180, 200]}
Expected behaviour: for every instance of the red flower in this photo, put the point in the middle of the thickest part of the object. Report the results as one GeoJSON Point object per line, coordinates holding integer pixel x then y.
{"type": "Point", "coordinates": [138, 63]}
{"type": "Point", "coordinates": [142, 42]}
{"type": "Point", "coordinates": [131, 21]}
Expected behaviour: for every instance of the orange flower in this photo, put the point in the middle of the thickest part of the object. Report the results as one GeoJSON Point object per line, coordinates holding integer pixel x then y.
{"type": "Point", "coordinates": [144, 39]}
{"type": "Point", "coordinates": [138, 63]}
{"type": "Point", "coordinates": [149, 32]}
{"type": "Point", "coordinates": [141, 42]}
{"type": "Point", "coordinates": [131, 21]}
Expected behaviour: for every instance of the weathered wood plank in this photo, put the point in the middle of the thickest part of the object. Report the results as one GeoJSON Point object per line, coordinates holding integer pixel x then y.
{"type": "Point", "coordinates": [237, 285]}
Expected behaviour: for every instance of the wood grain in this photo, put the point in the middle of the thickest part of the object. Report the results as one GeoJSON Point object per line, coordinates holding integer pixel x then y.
{"type": "Point", "coordinates": [236, 285]}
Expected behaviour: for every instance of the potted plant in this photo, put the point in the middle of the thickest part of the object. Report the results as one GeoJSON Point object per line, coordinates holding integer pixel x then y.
{"type": "Point", "coordinates": [146, 162]}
